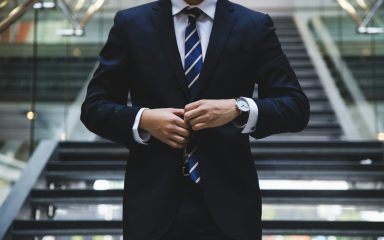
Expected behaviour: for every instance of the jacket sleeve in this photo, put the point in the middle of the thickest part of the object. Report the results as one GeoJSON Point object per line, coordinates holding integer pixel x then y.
{"type": "Point", "coordinates": [104, 110]}
{"type": "Point", "coordinates": [283, 107]}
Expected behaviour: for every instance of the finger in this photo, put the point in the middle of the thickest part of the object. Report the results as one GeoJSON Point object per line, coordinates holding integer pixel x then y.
{"type": "Point", "coordinates": [179, 139]}
{"type": "Point", "coordinates": [199, 126]}
{"type": "Point", "coordinates": [181, 123]}
{"type": "Point", "coordinates": [175, 144]}
{"type": "Point", "coordinates": [178, 112]}
{"type": "Point", "coordinates": [198, 119]}
{"type": "Point", "coordinates": [188, 116]}
{"type": "Point", "coordinates": [193, 105]}
{"type": "Point", "coordinates": [182, 132]}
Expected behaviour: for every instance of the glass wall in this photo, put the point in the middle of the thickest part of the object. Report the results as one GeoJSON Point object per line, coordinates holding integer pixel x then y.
{"type": "Point", "coordinates": [46, 58]}
{"type": "Point", "coordinates": [353, 49]}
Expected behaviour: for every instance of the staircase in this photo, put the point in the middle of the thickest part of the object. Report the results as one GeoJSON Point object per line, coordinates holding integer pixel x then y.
{"type": "Point", "coordinates": [362, 55]}
{"type": "Point", "coordinates": [78, 188]}
{"type": "Point", "coordinates": [58, 78]}
{"type": "Point", "coordinates": [72, 188]}
{"type": "Point", "coordinates": [369, 74]}
{"type": "Point", "coordinates": [323, 124]}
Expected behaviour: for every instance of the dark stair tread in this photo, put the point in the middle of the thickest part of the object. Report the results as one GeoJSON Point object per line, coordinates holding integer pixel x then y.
{"type": "Point", "coordinates": [356, 197]}
{"type": "Point", "coordinates": [114, 227]}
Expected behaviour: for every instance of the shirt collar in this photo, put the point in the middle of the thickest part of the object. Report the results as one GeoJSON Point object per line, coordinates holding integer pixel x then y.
{"type": "Point", "coordinates": [207, 6]}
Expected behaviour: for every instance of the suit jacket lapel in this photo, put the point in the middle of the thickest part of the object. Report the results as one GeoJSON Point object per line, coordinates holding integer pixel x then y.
{"type": "Point", "coordinates": [222, 27]}
{"type": "Point", "coordinates": [163, 23]}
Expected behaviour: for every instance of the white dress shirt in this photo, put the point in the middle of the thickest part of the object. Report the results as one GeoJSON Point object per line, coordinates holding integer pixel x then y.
{"type": "Point", "coordinates": [204, 28]}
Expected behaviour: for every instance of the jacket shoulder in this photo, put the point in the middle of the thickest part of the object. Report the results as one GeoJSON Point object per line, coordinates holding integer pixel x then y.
{"type": "Point", "coordinates": [248, 14]}
{"type": "Point", "coordinates": [136, 12]}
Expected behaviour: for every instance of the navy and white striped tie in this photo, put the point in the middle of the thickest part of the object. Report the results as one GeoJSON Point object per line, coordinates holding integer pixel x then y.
{"type": "Point", "coordinates": [193, 60]}
{"type": "Point", "coordinates": [193, 63]}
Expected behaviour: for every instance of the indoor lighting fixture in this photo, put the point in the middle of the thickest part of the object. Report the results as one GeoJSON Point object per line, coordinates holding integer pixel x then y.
{"type": "Point", "coordinates": [362, 4]}
{"type": "Point", "coordinates": [380, 136]}
{"type": "Point", "coordinates": [79, 5]}
{"type": "Point", "coordinates": [70, 32]}
{"type": "Point", "coordinates": [347, 6]}
{"type": "Point", "coordinates": [63, 136]}
{"type": "Point", "coordinates": [101, 184]}
{"type": "Point", "coordinates": [3, 3]}
{"type": "Point", "coordinates": [40, 5]}
{"type": "Point", "coordinates": [31, 115]}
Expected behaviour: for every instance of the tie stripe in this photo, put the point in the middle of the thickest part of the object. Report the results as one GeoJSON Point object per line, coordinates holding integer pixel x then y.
{"type": "Point", "coordinates": [194, 167]}
{"type": "Point", "coordinates": [193, 63]}
{"type": "Point", "coordinates": [193, 48]}
{"type": "Point", "coordinates": [194, 80]}
{"type": "Point", "coordinates": [190, 35]}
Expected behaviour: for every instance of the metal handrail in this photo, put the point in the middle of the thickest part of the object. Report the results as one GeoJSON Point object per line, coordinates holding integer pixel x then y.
{"type": "Point", "coordinates": [363, 107]}
{"type": "Point", "coordinates": [92, 10]}
{"type": "Point", "coordinates": [66, 9]}
{"type": "Point", "coordinates": [8, 211]}
{"type": "Point", "coordinates": [342, 112]}
{"type": "Point", "coordinates": [363, 28]}
{"type": "Point", "coordinates": [362, 24]}
{"type": "Point", "coordinates": [15, 14]}
{"type": "Point", "coordinates": [78, 25]}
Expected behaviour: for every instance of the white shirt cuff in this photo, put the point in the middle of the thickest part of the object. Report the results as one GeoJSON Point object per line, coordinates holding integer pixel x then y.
{"type": "Point", "coordinates": [250, 126]}
{"type": "Point", "coordinates": [140, 136]}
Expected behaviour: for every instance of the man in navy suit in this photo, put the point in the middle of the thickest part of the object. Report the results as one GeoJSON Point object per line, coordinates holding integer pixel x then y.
{"type": "Point", "coordinates": [190, 67]}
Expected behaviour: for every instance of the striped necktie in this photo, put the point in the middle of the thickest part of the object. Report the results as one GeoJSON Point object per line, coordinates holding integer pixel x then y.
{"type": "Point", "coordinates": [193, 63]}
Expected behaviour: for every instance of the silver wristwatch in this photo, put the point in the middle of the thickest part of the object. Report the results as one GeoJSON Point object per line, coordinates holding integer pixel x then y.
{"type": "Point", "coordinates": [243, 106]}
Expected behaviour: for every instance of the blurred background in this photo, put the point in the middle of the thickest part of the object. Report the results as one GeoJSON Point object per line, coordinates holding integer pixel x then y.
{"type": "Point", "coordinates": [59, 181]}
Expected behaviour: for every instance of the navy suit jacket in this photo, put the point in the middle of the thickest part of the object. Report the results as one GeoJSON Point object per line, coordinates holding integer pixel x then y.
{"type": "Point", "coordinates": [141, 57]}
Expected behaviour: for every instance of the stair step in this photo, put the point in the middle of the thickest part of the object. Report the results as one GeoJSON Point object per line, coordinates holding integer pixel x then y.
{"type": "Point", "coordinates": [355, 197]}
{"type": "Point", "coordinates": [86, 227]}
{"type": "Point", "coordinates": [290, 39]}
{"type": "Point", "coordinates": [289, 150]}
{"type": "Point", "coordinates": [272, 171]}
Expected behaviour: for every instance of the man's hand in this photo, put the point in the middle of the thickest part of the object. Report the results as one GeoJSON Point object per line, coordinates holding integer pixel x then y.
{"type": "Point", "coordinates": [167, 125]}
{"type": "Point", "coordinates": [210, 113]}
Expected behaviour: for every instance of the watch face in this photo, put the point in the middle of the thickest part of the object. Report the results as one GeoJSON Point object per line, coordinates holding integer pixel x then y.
{"type": "Point", "coordinates": [242, 105]}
